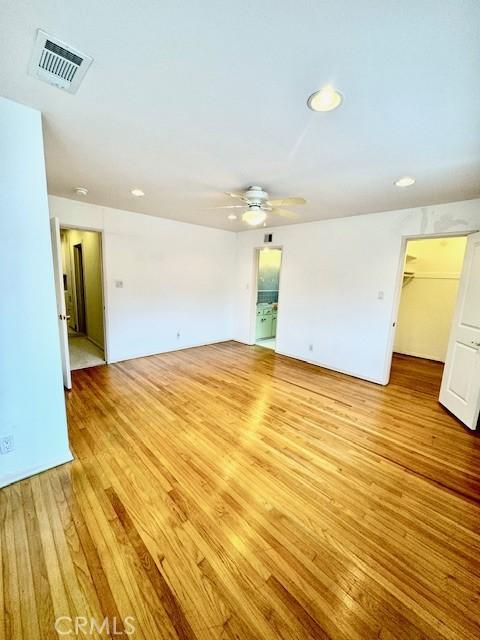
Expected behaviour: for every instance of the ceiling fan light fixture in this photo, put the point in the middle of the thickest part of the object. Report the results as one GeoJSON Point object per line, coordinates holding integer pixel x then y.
{"type": "Point", "coordinates": [254, 216]}
{"type": "Point", "coordinates": [138, 193]}
{"type": "Point", "coordinates": [325, 99]}
{"type": "Point", "coordinates": [232, 216]}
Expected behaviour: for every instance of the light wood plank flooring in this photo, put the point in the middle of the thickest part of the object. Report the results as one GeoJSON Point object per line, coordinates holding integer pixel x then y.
{"type": "Point", "coordinates": [228, 492]}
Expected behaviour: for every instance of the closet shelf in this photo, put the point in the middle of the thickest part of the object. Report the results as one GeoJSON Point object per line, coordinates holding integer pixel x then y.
{"type": "Point", "coordinates": [408, 276]}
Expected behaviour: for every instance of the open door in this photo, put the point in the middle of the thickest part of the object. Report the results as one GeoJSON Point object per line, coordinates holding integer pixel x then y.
{"type": "Point", "coordinates": [460, 390]}
{"type": "Point", "coordinates": [61, 311]}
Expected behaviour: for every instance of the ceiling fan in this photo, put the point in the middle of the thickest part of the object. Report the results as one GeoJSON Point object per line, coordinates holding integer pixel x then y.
{"type": "Point", "coordinates": [257, 204]}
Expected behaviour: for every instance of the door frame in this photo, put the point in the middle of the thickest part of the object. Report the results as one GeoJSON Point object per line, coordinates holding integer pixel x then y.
{"type": "Point", "coordinates": [61, 312]}
{"type": "Point", "coordinates": [103, 273]}
{"type": "Point", "coordinates": [75, 286]}
{"type": "Point", "coordinates": [398, 288]}
{"type": "Point", "coordinates": [254, 290]}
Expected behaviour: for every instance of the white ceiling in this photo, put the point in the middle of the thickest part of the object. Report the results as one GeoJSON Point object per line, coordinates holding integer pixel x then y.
{"type": "Point", "coordinates": [189, 99]}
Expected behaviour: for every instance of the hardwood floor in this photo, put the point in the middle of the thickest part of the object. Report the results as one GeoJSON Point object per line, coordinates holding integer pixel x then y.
{"type": "Point", "coordinates": [228, 492]}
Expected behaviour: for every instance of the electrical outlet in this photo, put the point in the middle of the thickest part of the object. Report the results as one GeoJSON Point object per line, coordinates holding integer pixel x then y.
{"type": "Point", "coordinates": [178, 334]}
{"type": "Point", "coordinates": [6, 444]}
{"type": "Point", "coordinates": [310, 347]}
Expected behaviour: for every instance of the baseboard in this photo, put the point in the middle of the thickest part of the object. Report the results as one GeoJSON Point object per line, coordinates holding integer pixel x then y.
{"type": "Point", "coordinates": [26, 473]}
{"type": "Point", "coordinates": [324, 366]}
{"type": "Point", "coordinates": [96, 343]}
{"type": "Point", "coordinates": [418, 355]}
{"type": "Point", "coordinates": [159, 353]}
{"type": "Point", "coordinates": [318, 364]}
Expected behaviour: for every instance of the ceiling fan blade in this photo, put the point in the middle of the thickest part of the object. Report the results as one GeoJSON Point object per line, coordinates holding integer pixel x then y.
{"type": "Point", "coordinates": [227, 206]}
{"type": "Point", "coordinates": [235, 195]}
{"type": "Point", "coordinates": [284, 213]}
{"type": "Point", "coordinates": [286, 202]}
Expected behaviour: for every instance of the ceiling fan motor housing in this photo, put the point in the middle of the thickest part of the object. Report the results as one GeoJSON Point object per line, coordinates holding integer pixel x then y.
{"type": "Point", "coordinates": [256, 195]}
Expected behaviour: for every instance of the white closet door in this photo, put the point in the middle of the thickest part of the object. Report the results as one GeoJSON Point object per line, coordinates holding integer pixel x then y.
{"type": "Point", "coordinates": [460, 390]}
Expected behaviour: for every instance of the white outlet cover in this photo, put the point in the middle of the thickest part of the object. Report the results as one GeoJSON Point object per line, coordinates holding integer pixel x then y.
{"type": "Point", "coordinates": [6, 444]}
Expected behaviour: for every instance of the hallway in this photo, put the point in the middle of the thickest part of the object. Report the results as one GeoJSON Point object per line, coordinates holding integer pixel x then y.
{"type": "Point", "coordinates": [83, 353]}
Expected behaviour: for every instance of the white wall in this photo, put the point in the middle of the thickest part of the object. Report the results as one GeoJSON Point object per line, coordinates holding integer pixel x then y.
{"type": "Point", "coordinates": [32, 406]}
{"type": "Point", "coordinates": [428, 299]}
{"type": "Point", "coordinates": [331, 276]}
{"type": "Point", "coordinates": [177, 278]}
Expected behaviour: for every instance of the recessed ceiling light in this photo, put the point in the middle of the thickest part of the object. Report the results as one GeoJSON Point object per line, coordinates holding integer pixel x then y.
{"type": "Point", "coordinates": [406, 181]}
{"type": "Point", "coordinates": [326, 99]}
{"type": "Point", "coordinates": [81, 191]}
{"type": "Point", "coordinates": [138, 193]}
{"type": "Point", "coordinates": [232, 216]}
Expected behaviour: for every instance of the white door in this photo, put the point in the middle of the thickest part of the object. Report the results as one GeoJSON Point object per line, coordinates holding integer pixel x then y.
{"type": "Point", "coordinates": [460, 390]}
{"type": "Point", "coordinates": [59, 292]}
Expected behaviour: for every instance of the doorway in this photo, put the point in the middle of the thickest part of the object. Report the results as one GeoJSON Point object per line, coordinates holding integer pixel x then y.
{"type": "Point", "coordinates": [459, 390]}
{"type": "Point", "coordinates": [268, 285]}
{"type": "Point", "coordinates": [431, 277]}
{"type": "Point", "coordinates": [83, 292]}
{"type": "Point", "coordinates": [437, 326]}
